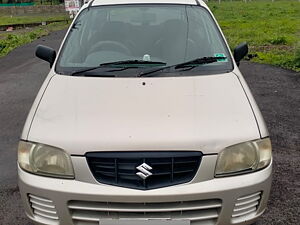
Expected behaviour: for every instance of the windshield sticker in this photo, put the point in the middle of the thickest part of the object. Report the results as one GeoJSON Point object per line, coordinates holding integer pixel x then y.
{"type": "Point", "coordinates": [221, 55]}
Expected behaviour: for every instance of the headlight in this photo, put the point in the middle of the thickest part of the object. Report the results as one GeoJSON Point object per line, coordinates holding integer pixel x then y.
{"type": "Point", "coordinates": [244, 157]}
{"type": "Point", "coordinates": [44, 160]}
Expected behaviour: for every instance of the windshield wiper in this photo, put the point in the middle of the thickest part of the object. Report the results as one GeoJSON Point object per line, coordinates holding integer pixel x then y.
{"type": "Point", "coordinates": [199, 61]}
{"type": "Point", "coordinates": [80, 72]}
{"type": "Point", "coordinates": [127, 65]}
{"type": "Point", "coordinates": [134, 62]}
{"type": "Point", "coordinates": [193, 63]}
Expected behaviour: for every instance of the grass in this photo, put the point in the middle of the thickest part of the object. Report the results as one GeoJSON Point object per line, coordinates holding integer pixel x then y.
{"type": "Point", "coordinates": [272, 29]}
{"type": "Point", "coordinates": [10, 41]}
{"type": "Point", "coordinates": [8, 20]}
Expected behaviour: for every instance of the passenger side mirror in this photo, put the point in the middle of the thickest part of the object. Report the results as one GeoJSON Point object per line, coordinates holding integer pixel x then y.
{"type": "Point", "coordinates": [46, 53]}
{"type": "Point", "coordinates": [240, 52]}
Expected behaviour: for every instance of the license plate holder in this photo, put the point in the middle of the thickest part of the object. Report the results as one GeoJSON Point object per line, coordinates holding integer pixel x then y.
{"type": "Point", "coordinates": [143, 222]}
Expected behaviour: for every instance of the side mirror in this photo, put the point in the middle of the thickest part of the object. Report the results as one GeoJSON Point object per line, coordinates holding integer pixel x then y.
{"type": "Point", "coordinates": [240, 52]}
{"type": "Point", "coordinates": [46, 53]}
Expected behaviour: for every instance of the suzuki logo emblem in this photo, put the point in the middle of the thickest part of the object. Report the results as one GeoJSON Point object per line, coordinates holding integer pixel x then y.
{"type": "Point", "coordinates": [144, 171]}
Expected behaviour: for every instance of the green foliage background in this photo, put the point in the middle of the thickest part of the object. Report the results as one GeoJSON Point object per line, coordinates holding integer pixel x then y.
{"type": "Point", "coordinates": [272, 29]}
{"type": "Point", "coordinates": [10, 41]}
{"type": "Point", "coordinates": [26, 19]}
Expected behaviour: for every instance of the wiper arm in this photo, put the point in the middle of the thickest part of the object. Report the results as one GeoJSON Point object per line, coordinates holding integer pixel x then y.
{"type": "Point", "coordinates": [199, 61]}
{"type": "Point", "coordinates": [138, 62]}
{"type": "Point", "coordinates": [192, 63]}
{"type": "Point", "coordinates": [130, 63]}
{"type": "Point", "coordinates": [79, 72]}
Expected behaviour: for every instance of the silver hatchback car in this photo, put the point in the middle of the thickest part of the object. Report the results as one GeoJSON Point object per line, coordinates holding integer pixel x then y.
{"type": "Point", "coordinates": [144, 119]}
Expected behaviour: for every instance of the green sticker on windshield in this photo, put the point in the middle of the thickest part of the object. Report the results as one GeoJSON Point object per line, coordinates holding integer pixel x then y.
{"type": "Point", "coordinates": [221, 55]}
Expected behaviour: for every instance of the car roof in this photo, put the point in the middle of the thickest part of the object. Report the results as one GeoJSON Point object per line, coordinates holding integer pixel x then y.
{"type": "Point", "coordinates": [119, 2]}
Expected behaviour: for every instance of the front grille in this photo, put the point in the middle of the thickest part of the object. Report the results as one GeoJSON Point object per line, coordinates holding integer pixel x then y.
{"type": "Point", "coordinates": [120, 168]}
{"type": "Point", "coordinates": [246, 206]}
{"type": "Point", "coordinates": [199, 212]}
{"type": "Point", "coordinates": [43, 209]}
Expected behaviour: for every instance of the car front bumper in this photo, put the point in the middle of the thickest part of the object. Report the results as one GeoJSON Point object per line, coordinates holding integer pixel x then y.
{"type": "Point", "coordinates": [218, 201]}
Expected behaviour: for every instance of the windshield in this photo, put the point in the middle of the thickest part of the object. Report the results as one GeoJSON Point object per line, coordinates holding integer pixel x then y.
{"type": "Point", "coordinates": [167, 34]}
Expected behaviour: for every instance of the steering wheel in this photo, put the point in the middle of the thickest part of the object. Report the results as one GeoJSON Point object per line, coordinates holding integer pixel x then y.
{"type": "Point", "coordinates": [110, 45]}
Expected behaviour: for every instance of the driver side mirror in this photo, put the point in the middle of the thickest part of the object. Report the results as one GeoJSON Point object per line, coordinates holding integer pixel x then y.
{"type": "Point", "coordinates": [240, 52]}
{"type": "Point", "coordinates": [46, 53]}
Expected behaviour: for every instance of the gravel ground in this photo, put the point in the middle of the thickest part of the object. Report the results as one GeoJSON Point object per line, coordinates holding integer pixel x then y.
{"type": "Point", "coordinates": [277, 92]}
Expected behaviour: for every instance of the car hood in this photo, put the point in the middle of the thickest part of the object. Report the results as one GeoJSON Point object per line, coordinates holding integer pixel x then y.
{"type": "Point", "coordinates": [202, 113]}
